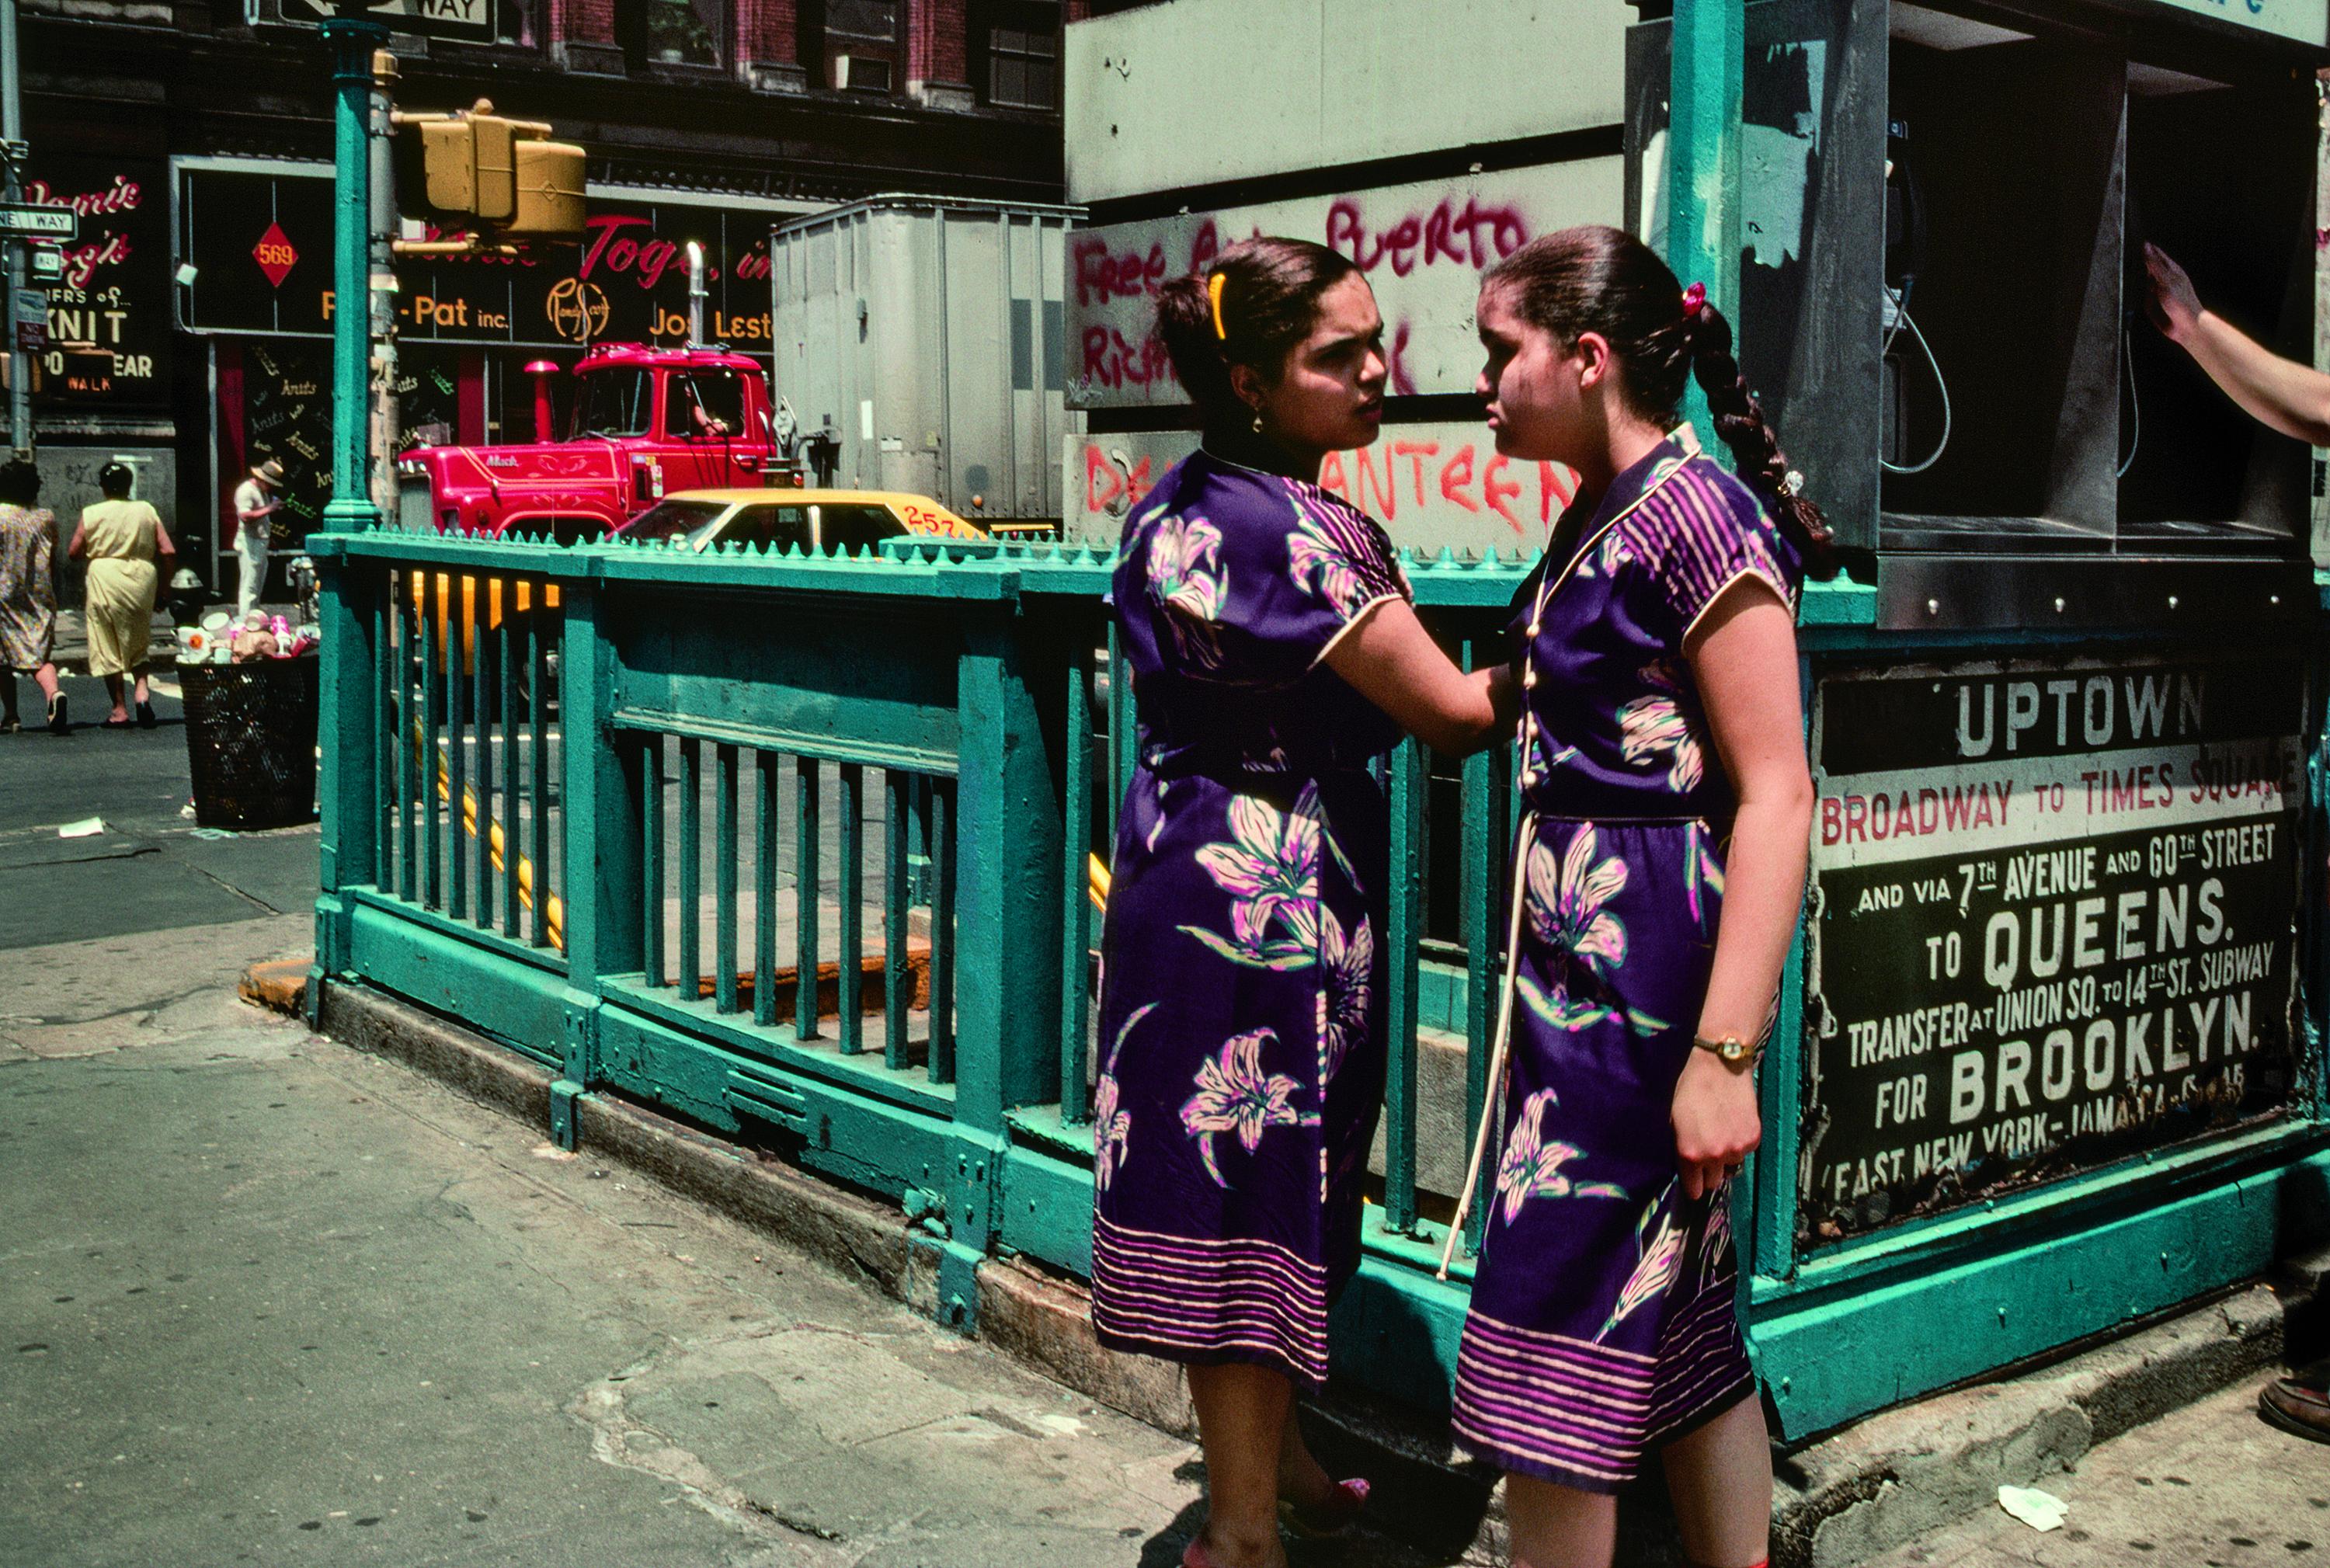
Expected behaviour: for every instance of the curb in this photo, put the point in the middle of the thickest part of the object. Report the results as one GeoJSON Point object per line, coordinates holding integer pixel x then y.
{"type": "Point", "coordinates": [1845, 1499]}
{"type": "Point", "coordinates": [279, 986]}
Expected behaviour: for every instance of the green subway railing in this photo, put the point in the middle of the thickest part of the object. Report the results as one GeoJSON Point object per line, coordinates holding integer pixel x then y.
{"type": "Point", "coordinates": [836, 822]}
{"type": "Point", "coordinates": [798, 848]}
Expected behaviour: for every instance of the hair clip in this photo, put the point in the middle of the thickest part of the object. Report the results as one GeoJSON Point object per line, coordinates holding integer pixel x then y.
{"type": "Point", "coordinates": [1214, 293]}
{"type": "Point", "coordinates": [1694, 300]}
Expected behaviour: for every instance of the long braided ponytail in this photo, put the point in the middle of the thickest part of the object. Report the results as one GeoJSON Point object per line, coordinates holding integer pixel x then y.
{"type": "Point", "coordinates": [1600, 280]}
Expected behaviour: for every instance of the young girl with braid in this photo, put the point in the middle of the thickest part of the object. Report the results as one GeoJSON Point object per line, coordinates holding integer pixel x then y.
{"type": "Point", "coordinates": [1658, 873]}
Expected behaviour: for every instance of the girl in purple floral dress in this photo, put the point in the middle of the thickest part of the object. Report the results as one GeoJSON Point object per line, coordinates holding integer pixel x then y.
{"type": "Point", "coordinates": [1274, 656]}
{"type": "Point", "coordinates": [1659, 872]}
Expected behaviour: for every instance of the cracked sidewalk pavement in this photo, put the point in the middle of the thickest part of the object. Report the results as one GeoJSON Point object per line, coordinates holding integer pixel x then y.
{"type": "Point", "coordinates": [272, 1299]}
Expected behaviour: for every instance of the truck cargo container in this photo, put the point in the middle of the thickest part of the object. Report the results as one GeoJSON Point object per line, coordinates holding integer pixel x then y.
{"type": "Point", "coordinates": [918, 341]}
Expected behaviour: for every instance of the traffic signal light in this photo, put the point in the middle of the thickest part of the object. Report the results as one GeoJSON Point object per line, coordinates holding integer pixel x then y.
{"type": "Point", "coordinates": [506, 172]}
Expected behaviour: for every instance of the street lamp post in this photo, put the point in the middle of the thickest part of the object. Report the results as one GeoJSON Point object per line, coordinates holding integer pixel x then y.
{"type": "Point", "coordinates": [352, 40]}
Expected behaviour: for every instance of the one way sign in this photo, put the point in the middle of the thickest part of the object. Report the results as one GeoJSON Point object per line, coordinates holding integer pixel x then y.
{"type": "Point", "coordinates": [469, 20]}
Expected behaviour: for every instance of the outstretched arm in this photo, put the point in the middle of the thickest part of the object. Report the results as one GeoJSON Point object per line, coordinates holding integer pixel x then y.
{"type": "Point", "coordinates": [2289, 397]}
{"type": "Point", "coordinates": [1388, 658]}
{"type": "Point", "coordinates": [1743, 655]}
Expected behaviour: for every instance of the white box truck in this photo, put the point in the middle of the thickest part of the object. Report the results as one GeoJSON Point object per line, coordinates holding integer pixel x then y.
{"type": "Point", "coordinates": [918, 341]}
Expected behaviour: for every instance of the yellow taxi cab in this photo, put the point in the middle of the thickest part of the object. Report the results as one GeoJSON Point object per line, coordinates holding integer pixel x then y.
{"type": "Point", "coordinates": [820, 520]}
{"type": "Point", "coordinates": [823, 520]}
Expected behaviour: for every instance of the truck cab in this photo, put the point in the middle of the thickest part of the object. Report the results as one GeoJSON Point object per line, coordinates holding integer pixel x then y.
{"type": "Point", "coordinates": [642, 421]}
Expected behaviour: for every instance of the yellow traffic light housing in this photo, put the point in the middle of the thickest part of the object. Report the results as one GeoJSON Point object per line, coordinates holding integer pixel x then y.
{"type": "Point", "coordinates": [549, 190]}
{"type": "Point", "coordinates": [503, 172]}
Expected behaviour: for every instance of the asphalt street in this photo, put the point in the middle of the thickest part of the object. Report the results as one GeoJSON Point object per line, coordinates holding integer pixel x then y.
{"type": "Point", "coordinates": [151, 869]}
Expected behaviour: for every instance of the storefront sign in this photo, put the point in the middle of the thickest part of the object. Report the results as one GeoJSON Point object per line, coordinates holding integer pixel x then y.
{"type": "Point", "coordinates": [1422, 247]}
{"type": "Point", "coordinates": [109, 324]}
{"type": "Point", "coordinates": [262, 246]}
{"type": "Point", "coordinates": [2052, 922]}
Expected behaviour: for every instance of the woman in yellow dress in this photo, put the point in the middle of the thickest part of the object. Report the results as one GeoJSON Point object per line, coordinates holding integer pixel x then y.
{"type": "Point", "coordinates": [127, 548]}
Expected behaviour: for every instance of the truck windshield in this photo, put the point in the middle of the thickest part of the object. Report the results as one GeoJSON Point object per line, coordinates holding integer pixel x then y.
{"type": "Point", "coordinates": [614, 402]}
{"type": "Point", "coordinates": [670, 519]}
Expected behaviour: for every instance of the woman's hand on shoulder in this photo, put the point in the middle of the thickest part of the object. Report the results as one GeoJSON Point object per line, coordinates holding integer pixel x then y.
{"type": "Point", "coordinates": [1389, 658]}
{"type": "Point", "coordinates": [1716, 1122]}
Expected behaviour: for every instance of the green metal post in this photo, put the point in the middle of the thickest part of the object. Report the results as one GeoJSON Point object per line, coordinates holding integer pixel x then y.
{"type": "Point", "coordinates": [344, 782]}
{"type": "Point", "coordinates": [352, 42]}
{"type": "Point", "coordinates": [1007, 838]}
{"type": "Point", "coordinates": [605, 892]}
{"type": "Point", "coordinates": [1703, 143]}
{"type": "Point", "coordinates": [348, 733]}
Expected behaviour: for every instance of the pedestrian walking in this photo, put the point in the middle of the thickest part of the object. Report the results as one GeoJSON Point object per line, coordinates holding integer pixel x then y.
{"type": "Point", "coordinates": [2293, 399]}
{"type": "Point", "coordinates": [127, 549]}
{"type": "Point", "coordinates": [255, 504]}
{"type": "Point", "coordinates": [28, 593]}
{"type": "Point", "coordinates": [1658, 873]}
{"type": "Point", "coordinates": [1276, 657]}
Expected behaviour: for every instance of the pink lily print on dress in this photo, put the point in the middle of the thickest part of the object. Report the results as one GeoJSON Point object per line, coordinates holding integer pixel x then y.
{"type": "Point", "coordinates": [1270, 867]}
{"type": "Point", "coordinates": [1113, 1128]}
{"type": "Point", "coordinates": [1660, 1262]}
{"type": "Point", "coordinates": [1316, 559]}
{"type": "Point", "coordinates": [1582, 939]}
{"type": "Point", "coordinates": [1649, 725]}
{"type": "Point", "coordinates": [1530, 1167]}
{"type": "Point", "coordinates": [1343, 1000]}
{"type": "Point", "coordinates": [1185, 574]}
{"type": "Point", "coordinates": [1234, 1095]}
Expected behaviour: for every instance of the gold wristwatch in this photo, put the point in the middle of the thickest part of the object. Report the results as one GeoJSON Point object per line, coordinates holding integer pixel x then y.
{"type": "Point", "coordinates": [1740, 1054]}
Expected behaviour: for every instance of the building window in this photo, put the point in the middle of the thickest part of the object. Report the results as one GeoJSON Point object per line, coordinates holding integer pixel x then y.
{"type": "Point", "coordinates": [1023, 56]}
{"type": "Point", "coordinates": [865, 46]}
{"type": "Point", "coordinates": [514, 22]}
{"type": "Point", "coordinates": [671, 31]}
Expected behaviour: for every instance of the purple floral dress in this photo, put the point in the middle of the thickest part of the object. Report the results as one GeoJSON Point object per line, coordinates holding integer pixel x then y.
{"type": "Point", "coordinates": [1604, 1320]}
{"type": "Point", "coordinates": [1242, 1033]}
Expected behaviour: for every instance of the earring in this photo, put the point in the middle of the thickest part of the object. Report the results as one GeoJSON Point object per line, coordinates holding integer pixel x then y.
{"type": "Point", "coordinates": [1258, 421]}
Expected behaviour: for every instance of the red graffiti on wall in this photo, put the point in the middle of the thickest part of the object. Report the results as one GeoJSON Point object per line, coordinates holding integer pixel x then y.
{"type": "Point", "coordinates": [1102, 277]}
{"type": "Point", "coordinates": [1434, 480]}
{"type": "Point", "coordinates": [1111, 489]}
{"type": "Point", "coordinates": [1111, 361]}
{"type": "Point", "coordinates": [1473, 235]}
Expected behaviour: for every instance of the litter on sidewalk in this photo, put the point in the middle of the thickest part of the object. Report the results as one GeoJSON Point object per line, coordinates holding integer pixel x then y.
{"type": "Point", "coordinates": [87, 827]}
{"type": "Point", "coordinates": [2040, 1510]}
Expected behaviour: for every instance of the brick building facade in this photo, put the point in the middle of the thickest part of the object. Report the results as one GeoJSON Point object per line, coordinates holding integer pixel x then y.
{"type": "Point", "coordinates": [176, 125]}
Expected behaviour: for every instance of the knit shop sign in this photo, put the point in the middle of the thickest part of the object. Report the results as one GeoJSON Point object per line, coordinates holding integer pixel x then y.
{"type": "Point", "coordinates": [2052, 924]}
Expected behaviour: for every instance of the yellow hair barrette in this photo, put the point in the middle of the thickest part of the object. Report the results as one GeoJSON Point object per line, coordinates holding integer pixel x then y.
{"type": "Point", "coordinates": [1214, 293]}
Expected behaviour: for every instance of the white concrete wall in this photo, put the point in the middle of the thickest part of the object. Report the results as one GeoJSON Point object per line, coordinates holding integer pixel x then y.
{"type": "Point", "coordinates": [1185, 94]}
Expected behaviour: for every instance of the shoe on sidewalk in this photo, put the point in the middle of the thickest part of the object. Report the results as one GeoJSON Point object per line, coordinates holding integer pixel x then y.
{"type": "Point", "coordinates": [2300, 1402]}
{"type": "Point", "coordinates": [58, 723]}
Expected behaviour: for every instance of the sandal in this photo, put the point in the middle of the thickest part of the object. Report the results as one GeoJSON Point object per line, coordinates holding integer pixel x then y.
{"type": "Point", "coordinates": [1323, 1521]}
{"type": "Point", "coordinates": [116, 724]}
{"type": "Point", "coordinates": [57, 724]}
{"type": "Point", "coordinates": [10, 725]}
{"type": "Point", "coordinates": [145, 719]}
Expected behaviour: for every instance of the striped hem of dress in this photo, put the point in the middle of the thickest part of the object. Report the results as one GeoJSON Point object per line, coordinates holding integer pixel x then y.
{"type": "Point", "coordinates": [1582, 1415]}
{"type": "Point", "coordinates": [1548, 1405]}
{"type": "Point", "coordinates": [1205, 1301]}
{"type": "Point", "coordinates": [1703, 1369]}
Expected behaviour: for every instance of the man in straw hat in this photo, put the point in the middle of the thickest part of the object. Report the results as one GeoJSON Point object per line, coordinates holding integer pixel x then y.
{"type": "Point", "coordinates": [255, 500]}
